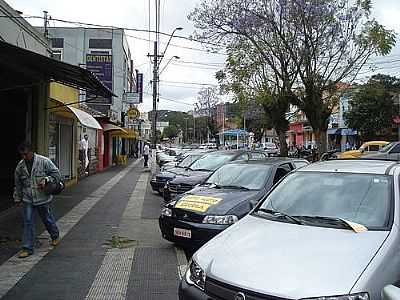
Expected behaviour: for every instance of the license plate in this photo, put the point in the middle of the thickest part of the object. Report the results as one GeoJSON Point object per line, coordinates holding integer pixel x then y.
{"type": "Point", "coordinates": [183, 233]}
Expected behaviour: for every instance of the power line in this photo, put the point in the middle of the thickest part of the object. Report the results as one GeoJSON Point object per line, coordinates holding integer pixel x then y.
{"type": "Point", "coordinates": [182, 86]}
{"type": "Point", "coordinates": [191, 83]}
{"type": "Point", "coordinates": [176, 64]}
{"type": "Point", "coordinates": [172, 100]}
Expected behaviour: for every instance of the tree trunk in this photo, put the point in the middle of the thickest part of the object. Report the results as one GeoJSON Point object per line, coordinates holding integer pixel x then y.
{"type": "Point", "coordinates": [321, 140]}
{"type": "Point", "coordinates": [282, 142]}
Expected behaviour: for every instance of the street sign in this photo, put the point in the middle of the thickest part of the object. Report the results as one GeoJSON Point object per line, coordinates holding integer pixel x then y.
{"type": "Point", "coordinates": [132, 98]}
{"type": "Point", "coordinates": [133, 113]}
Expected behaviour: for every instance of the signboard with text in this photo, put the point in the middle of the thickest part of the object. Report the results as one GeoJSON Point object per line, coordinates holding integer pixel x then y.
{"type": "Point", "coordinates": [132, 98]}
{"type": "Point", "coordinates": [101, 66]}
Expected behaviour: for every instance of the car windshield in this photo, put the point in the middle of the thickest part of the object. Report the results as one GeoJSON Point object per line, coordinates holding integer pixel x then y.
{"type": "Point", "coordinates": [358, 198]}
{"type": "Point", "coordinates": [252, 177]}
{"type": "Point", "coordinates": [387, 147]}
{"type": "Point", "coordinates": [211, 162]}
{"type": "Point", "coordinates": [188, 161]}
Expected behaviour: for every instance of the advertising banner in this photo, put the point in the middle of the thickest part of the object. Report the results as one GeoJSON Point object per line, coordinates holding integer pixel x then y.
{"type": "Point", "coordinates": [101, 66]}
{"type": "Point", "coordinates": [139, 86]}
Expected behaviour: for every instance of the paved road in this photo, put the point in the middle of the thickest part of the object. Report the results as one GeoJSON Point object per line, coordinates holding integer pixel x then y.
{"type": "Point", "coordinates": [111, 246]}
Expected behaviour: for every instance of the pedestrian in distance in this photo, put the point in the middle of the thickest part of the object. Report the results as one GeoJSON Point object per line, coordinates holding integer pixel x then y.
{"type": "Point", "coordinates": [83, 153]}
{"type": "Point", "coordinates": [32, 174]}
{"type": "Point", "coordinates": [146, 152]}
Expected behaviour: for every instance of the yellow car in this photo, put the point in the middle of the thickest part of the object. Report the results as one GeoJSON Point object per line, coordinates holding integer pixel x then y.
{"type": "Point", "coordinates": [366, 148]}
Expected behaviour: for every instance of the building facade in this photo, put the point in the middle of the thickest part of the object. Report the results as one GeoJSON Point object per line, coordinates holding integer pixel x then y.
{"type": "Point", "coordinates": [104, 52]}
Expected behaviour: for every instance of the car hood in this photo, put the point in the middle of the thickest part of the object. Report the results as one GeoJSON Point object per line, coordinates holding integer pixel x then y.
{"type": "Point", "coordinates": [192, 177]}
{"type": "Point", "coordinates": [288, 260]}
{"type": "Point", "coordinates": [226, 199]}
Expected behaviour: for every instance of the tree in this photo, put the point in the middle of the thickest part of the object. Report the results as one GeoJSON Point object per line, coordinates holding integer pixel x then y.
{"type": "Point", "coordinates": [372, 107]}
{"type": "Point", "coordinates": [207, 100]}
{"type": "Point", "coordinates": [250, 78]}
{"type": "Point", "coordinates": [327, 41]}
{"type": "Point", "coordinates": [171, 132]}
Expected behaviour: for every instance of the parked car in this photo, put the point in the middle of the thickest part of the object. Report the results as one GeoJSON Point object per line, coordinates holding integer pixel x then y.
{"type": "Point", "coordinates": [327, 231]}
{"type": "Point", "coordinates": [160, 179]}
{"type": "Point", "coordinates": [366, 148]}
{"type": "Point", "coordinates": [227, 196]}
{"type": "Point", "coordinates": [194, 155]}
{"type": "Point", "coordinates": [390, 151]}
{"type": "Point", "coordinates": [271, 149]}
{"type": "Point", "coordinates": [199, 171]}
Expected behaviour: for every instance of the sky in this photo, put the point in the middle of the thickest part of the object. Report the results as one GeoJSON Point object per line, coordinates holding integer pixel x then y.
{"type": "Point", "coordinates": [182, 78]}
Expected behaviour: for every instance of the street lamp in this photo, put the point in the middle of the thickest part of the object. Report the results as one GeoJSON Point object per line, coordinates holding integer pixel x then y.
{"type": "Point", "coordinates": [173, 57]}
{"type": "Point", "coordinates": [156, 75]}
{"type": "Point", "coordinates": [169, 41]}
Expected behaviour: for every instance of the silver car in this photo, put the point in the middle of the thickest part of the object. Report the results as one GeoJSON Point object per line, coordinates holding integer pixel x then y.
{"type": "Point", "coordinates": [329, 231]}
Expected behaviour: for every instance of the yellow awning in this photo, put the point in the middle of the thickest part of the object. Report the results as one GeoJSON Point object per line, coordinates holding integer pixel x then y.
{"type": "Point", "coordinates": [115, 130]}
{"type": "Point", "coordinates": [126, 133]}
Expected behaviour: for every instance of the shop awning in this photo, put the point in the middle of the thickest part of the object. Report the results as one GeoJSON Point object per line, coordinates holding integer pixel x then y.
{"type": "Point", "coordinates": [348, 131]}
{"type": "Point", "coordinates": [114, 128]}
{"type": "Point", "coordinates": [234, 132]}
{"type": "Point", "coordinates": [83, 117]}
{"type": "Point", "coordinates": [30, 68]}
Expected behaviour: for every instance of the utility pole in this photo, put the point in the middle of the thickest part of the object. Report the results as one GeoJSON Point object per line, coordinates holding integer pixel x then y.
{"type": "Point", "coordinates": [155, 94]}
{"type": "Point", "coordinates": [45, 18]}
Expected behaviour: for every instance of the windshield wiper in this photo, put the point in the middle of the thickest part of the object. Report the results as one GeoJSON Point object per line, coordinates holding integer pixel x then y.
{"type": "Point", "coordinates": [336, 221]}
{"type": "Point", "coordinates": [235, 187]}
{"type": "Point", "coordinates": [201, 170]}
{"type": "Point", "coordinates": [276, 213]}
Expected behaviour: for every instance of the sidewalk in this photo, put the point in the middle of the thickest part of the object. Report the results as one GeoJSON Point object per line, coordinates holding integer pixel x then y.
{"type": "Point", "coordinates": [116, 204]}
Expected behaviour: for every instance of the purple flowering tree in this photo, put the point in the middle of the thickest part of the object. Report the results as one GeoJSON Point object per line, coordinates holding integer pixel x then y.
{"type": "Point", "coordinates": [323, 43]}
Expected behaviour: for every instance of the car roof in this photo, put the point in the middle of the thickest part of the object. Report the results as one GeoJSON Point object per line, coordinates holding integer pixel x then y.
{"type": "Point", "coordinates": [376, 143]}
{"type": "Point", "coordinates": [268, 161]}
{"type": "Point", "coordinates": [360, 166]}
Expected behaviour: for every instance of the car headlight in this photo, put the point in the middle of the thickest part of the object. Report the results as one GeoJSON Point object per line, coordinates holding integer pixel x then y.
{"type": "Point", "coordinates": [195, 275]}
{"type": "Point", "coordinates": [220, 220]}
{"type": "Point", "coordinates": [167, 212]}
{"type": "Point", "coordinates": [358, 296]}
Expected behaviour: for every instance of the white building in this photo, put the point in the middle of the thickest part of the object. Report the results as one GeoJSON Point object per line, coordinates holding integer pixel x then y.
{"type": "Point", "coordinates": [105, 52]}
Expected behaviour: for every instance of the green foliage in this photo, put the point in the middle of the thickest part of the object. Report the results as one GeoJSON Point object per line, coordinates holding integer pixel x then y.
{"type": "Point", "coordinates": [170, 132]}
{"type": "Point", "coordinates": [373, 107]}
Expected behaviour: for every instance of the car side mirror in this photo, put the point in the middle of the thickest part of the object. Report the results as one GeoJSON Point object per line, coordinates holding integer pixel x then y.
{"type": "Point", "coordinates": [390, 292]}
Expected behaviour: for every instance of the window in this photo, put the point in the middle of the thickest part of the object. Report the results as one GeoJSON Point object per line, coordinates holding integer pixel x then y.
{"type": "Point", "coordinates": [281, 172]}
{"type": "Point", "coordinates": [396, 149]}
{"type": "Point", "coordinates": [360, 198]}
{"type": "Point", "coordinates": [248, 176]}
{"type": "Point", "coordinates": [100, 43]}
{"type": "Point", "coordinates": [57, 43]}
{"type": "Point", "coordinates": [373, 148]}
{"type": "Point", "coordinates": [57, 54]}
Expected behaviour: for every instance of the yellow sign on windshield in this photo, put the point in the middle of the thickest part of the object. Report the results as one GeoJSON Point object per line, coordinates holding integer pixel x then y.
{"type": "Point", "coordinates": [197, 203]}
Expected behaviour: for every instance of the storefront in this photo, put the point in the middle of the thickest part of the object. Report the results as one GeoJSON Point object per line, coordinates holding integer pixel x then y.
{"type": "Point", "coordinates": [295, 135]}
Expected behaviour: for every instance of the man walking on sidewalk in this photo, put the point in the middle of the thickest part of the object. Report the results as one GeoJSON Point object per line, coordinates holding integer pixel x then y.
{"type": "Point", "coordinates": [31, 175]}
{"type": "Point", "coordinates": [146, 152]}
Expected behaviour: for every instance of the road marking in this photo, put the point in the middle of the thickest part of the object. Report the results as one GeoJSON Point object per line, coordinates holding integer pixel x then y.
{"type": "Point", "coordinates": [182, 262]}
{"type": "Point", "coordinates": [111, 281]}
{"type": "Point", "coordinates": [14, 269]}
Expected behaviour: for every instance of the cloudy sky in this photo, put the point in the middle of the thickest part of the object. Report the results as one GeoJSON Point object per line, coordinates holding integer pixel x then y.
{"type": "Point", "coordinates": [181, 79]}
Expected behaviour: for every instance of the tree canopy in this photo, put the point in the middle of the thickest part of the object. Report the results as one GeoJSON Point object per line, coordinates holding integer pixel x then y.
{"type": "Point", "coordinates": [373, 106]}
{"type": "Point", "coordinates": [307, 47]}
